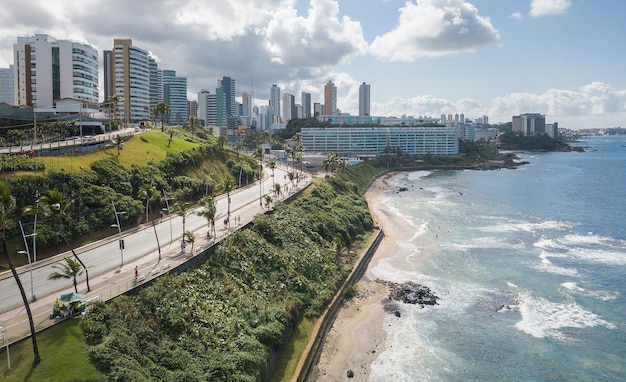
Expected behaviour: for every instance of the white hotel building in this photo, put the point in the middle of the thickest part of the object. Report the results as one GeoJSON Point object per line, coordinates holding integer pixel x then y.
{"type": "Point", "coordinates": [371, 141]}
{"type": "Point", "coordinates": [47, 69]}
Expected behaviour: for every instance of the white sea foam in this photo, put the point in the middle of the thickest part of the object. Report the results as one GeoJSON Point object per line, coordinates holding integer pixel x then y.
{"type": "Point", "coordinates": [572, 286]}
{"type": "Point", "coordinates": [526, 226]}
{"type": "Point", "coordinates": [610, 257]}
{"type": "Point", "coordinates": [481, 242]}
{"type": "Point", "coordinates": [548, 244]}
{"type": "Point", "coordinates": [547, 266]}
{"type": "Point", "coordinates": [542, 318]}
{"type": "Point", "coordinates": [590, 238]}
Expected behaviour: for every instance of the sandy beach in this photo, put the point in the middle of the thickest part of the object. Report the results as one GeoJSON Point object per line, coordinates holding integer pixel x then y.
{"type": "Point", "coordinates": [357, 335]}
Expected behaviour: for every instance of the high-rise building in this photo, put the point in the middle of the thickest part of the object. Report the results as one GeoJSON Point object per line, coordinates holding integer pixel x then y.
{"type": "Point", "coordinates": [364, 100]}
{"type": "Point", "coordinates": [7, 82]}
{"type": "Point", "coordinates": [47, 69]}
{"type": "Point", "coordinates": [246, 104]}
{"type": "Point", "coordinates": [318, 109]}
{"type": "Point", "coordinates": [192, 108]}
{"type": "Point", "coordinates": [305, 101]}
{"type": "Point", "coordinates": [288, 107]}
{"type": "Point", "coordinates": [204, 98]}
{"type": "Point", "coordinates": [330, 99]}
{"type": "Point", "coordinates": [175, 94]}
{"type": "Point", "coordinates": [156, 83]}
{"type": "Point", "coordinates": [129, 77]}
{"type": "Point", "coordinates": [274, 109]}
{"type": "Point", "coordinates": [228, 84]}
{"type": "Point", "coordinates": [529, 123]}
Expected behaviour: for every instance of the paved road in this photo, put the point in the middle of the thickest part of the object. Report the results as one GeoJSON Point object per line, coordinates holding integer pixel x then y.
{"type": "Point", "coordinates": [103, 259]}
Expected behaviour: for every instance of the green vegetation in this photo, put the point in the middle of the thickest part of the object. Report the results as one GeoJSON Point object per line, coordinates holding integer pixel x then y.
{"type": "Point", "coordinates": [288, 361]}
{"type": "Point", "coordinates": [226, 319]}
{"type": "Point", "coordinates": [185, 163]}
{"type": "Point", "coordinates": [63, 357]}
{"type": "Point", "coordinates": [516, 140]}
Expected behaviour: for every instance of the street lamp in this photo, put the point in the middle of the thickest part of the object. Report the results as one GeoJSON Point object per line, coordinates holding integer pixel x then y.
{"type": "Point", "coordinates": [167, 210]}
{"type": "Point", "coordinates": [30, 265]}
{"type": "Point", "coordinates": [119, 231]}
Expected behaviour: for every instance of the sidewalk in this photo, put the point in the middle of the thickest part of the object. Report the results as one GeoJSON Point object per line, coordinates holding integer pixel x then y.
{"type": "Point", "coordinates": [118, 281]}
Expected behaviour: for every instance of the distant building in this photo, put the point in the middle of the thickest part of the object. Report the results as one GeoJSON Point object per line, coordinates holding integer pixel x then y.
{"type": "Point", "coordinates": [364, 99]}
{"type": "Point", "coordinates": [47, 69]}
{"type": "Point", "coordinates": [305, 101]}
{"type": "Point", "coordinates": [156, 83]}
{"type": "Point", "coordinates": [372, 141]}
{"type": "Point", "coordinates": [175, 94]}
{"type": "Point", "coordinates": [289, 107]}
{"type": "Point", "coordinates": [228, 84]}
{"type": "Point", "coordinates": [7, 82]}
{"type": "Point", "coordinates": [274, 107]}
{"type": "Point", "coordinates": [192, 108]}
{"type": "Point", "coordinates": [529, 123]}
{"type": "Point", "coordinates": [318, 109]}
{"type": "Point", "coordinates": [330, 98]}
{"type": "Point", "coordinates": [127, 74]}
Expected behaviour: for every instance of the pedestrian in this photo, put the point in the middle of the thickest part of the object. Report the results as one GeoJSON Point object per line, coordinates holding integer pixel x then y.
{"type": "Point", "coordinates": [183, 245]}
{"type": "Point", "coordinates": [136, 273]}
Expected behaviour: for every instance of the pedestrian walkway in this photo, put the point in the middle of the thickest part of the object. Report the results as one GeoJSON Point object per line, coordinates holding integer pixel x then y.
{"type": "Point", "coordinates": [116, 282]}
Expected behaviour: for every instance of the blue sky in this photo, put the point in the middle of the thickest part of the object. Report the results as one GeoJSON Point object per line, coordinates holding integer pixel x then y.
{"type": "Point", "coordinates": [561, 58]}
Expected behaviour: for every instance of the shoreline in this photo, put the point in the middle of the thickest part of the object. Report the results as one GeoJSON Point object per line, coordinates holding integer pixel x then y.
{"type": "Point", "coordinates": [357, 335]}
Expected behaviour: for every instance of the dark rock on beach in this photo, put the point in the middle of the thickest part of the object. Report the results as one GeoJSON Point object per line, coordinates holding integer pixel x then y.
{"type": "Point", "coordinates": [412, 293]}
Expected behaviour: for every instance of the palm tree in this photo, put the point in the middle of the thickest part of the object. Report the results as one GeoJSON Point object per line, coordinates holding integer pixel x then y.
{"type": "Point", "coordinates": [183, 209]}
{"type": "Point", "coordinates": [148, 193]}
{"type": "Point", "coordinates": [192, 121]}
{"type": "Point", "coordinates": [227, 185]}
{"type": "Point", "coordinates": [208, 211]}
{"type": "Point", "coordinates": [119, 143]}
{"type": "Point", "coordinates": [191, 237]}
{"type": "Point", "coordinates": [272, 165]}
{"type": "Point", "coordinates": [277, 190]}
{"type": "Point", "coordinates": [113, 101]}
{"type": "Point", "coordinates": [53, 204]}
{"type": "Point", "coordinates": [7, 208]}
{"type": "Point", "coordinates": [268, 200]}
{"type": "Point", "coordinates": [160, 111]}
{"type": "Point", "coordinates": [71, 269]}
{"type": "Point", "coordinates": [258, 154]}
{"type": "Point", "coordinates": [221, 141]}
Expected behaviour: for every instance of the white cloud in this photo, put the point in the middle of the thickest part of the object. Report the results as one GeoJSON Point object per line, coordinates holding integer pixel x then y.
{"type": "Point", "coordinates": [594, 105]}
{"type": "Point", "coordinates": [540, 8]}
{"type": "Point", "coordinates": [432, 28]}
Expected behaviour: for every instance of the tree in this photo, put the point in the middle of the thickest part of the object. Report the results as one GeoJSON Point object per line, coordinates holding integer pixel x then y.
{"type": "Point", "coordinates": [227, 185]}
{"type": "Point", "coordinates": [112, 101]}
{"type": "Point", "coordinates": [277, 190]}
{"type": "Point", "coordinates": [208, 211]}
{"type": "Point", "coordinates": [221, 141]}
{"type": "Point", "coordinates": [272, 165]}
{"type": "Point", "coordinates": [71, 269]}
{"type": "Point", "coordinates": [191, 237]}
{"type": "Point", "coordinates": [54, 204]}
{"type": "Point", "coordinates": [160, 111]}
{"type": "Point", "coordinates": [119, 143]}
{"type": "Point", "coordinates": [182, 209]}
{"type": "Point", "coordinates": [191, 120]}
{"type": "Point", "coordinates": [7, 209]}
{"type": "Point", "coordinates": [268, 200]}
{"type": "Point", "coordinates": [148, 193]}
{"type": "Point", "coordinates": [258, 154]}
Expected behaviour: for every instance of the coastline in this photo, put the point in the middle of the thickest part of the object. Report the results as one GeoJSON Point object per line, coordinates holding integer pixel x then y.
{"type": "Point", "coordinates": [357, 335]}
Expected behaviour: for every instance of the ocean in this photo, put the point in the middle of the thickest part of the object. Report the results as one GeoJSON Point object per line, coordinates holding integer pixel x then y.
{"type": "Point", "coordinates": [529, 265]}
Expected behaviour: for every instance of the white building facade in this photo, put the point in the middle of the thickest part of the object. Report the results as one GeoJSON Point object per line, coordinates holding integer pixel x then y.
{"type": "Point", "coordinates": [7, 83]}
{"type": "Point", "coordinates": [372, 141]}
{"type": "Point", "coordinates": [46, 69]}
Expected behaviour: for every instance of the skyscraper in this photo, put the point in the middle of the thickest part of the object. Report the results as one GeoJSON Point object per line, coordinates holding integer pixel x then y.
{"type": "Point", "coordinates": [330, 99]}
{"type": "Point", "coordinates": [274, 109]}
{"type": "Point", "coordinates": [228, 84]}
{"type": "Point", "coordinates": [175, 94]}
{"type": "Point", "coordinates": [47, 69]}
{"type": "Point", "coordinates": [156, 83]}
{"type": "Point", "coordinates": [305, 101]}
{"type": "Point", "coordinates": [129, 77]}
{"type": "Point", "coordinates": [364, 99]}
{"type": "Point", "coordinates": [288, 107]}
{"type": "Point", "coordinates": [7, 81]}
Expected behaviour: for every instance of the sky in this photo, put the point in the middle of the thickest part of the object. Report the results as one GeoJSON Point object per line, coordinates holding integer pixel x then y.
{"type": "Point", "coordinates": [561, 58]}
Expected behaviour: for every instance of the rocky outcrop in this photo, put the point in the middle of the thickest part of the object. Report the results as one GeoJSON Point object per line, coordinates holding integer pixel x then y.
{"type": "Point", "coordinates": [408, 293]}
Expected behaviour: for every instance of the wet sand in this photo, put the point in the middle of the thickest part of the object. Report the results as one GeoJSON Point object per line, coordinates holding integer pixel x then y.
{"type": "Point", "coordinates": [357, 335]}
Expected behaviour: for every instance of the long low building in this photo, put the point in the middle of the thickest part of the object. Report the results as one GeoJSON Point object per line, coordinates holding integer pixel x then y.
{"type": "Point", "coordinates": [373, 141]}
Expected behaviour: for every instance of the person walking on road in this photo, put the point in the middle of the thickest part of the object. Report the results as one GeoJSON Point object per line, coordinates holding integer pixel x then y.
{"type": "Point", "coordinates": [136, 273]}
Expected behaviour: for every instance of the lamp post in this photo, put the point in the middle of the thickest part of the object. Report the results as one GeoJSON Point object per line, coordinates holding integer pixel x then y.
{"type": "Point", "coordinates": [167, 209]}
{"type": "Point", "coordinates": [119, 231]}
{"type": "Point", "coordinates": [30, 265]}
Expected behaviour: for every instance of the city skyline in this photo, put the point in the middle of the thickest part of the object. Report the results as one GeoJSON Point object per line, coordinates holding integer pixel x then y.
{"type": "Point", "coordinates": [432, 57]}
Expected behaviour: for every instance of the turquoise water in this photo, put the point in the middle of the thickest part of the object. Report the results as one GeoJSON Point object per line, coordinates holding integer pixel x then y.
{"type": "Point", "coordinates": [529, 266]}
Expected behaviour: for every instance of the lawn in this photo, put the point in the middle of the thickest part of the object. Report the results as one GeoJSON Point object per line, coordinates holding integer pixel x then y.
{"type": "Point", "coordinates": [63, 357]}
{"type": "Point", "coordinates": [149, 145]}
{"type": "Point", "coordinates": [290, 357]}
